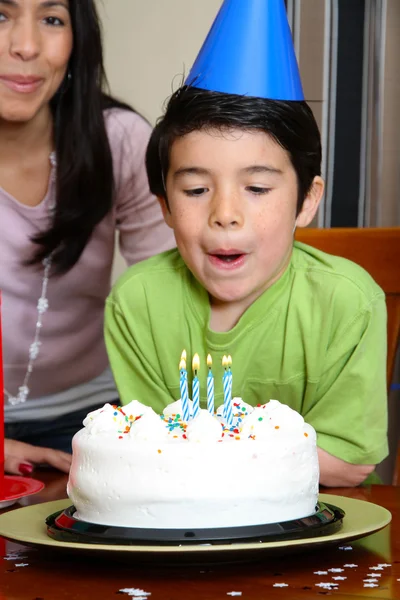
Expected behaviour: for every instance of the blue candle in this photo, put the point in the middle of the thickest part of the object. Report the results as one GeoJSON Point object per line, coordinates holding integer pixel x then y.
{"type": "Point", "coordinates": [230, 386]}
{"type": "Point", "coordinates": [226, 380]}
{"type": "Point", "coordinates": [183, 385]}
{"type": "Point", "coordinates": [196, 385]}
{"type": "Point", "coordinates": [210, 387]}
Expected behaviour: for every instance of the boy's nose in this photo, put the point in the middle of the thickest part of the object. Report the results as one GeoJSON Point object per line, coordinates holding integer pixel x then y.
{"type": "Point", "coordinates": [25, 40]}
{"type": "Point", "coordinates": [226, 212]}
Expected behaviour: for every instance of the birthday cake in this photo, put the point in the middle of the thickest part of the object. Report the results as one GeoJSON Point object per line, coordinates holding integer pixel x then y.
{"type": "Point", "coordinates": [134, 468]}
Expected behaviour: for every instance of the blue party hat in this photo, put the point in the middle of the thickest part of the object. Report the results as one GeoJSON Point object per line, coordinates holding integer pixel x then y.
{"type": "Point", "coordinates": [249, 51]}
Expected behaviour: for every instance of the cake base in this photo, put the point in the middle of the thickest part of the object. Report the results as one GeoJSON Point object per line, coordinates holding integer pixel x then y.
{"type": "Point", "coordinates": [63, 527]}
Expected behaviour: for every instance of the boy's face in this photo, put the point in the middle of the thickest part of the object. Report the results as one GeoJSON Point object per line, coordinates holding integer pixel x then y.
{"type": "Point", "coordinates": [232, 204]}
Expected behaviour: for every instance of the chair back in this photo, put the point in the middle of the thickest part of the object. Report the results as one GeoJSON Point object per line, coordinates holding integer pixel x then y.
{"type": "Point", "coordinates": [378, 251]}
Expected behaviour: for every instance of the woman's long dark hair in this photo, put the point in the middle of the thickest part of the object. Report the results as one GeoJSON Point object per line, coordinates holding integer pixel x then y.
{"type": "Point", "coordinates": [85, 179]}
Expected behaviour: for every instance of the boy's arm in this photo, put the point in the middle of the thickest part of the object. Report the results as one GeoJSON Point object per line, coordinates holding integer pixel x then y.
{"type": "Point", "coordinates": [132, 354]}
{"type": "Point", "coordinates": [335, 472]}
{"type": "Point", "coordinates": [350, 411]}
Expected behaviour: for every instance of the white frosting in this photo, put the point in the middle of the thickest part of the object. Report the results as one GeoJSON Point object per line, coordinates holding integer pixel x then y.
{"type": "Point", "coordinates": [103, 420]}
{"type": "Point", "coordinates": [132, 468]}
{"type": "Point", "coordinates": [269, 419]}
{"type": "Point", "coordinates": [136, 409]}
{"type": "Point", "coordinates": [149, 427]}
{"type": "Point", "coordinates": [204, 428]}
{"type": "Point", "coordinates": [239, 408]}
{"type": "Point", "coordinates": [175, 408]}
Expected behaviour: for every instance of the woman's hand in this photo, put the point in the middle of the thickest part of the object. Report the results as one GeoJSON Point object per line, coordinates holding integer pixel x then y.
{"type": "Point", "coordinates": [21, 458]}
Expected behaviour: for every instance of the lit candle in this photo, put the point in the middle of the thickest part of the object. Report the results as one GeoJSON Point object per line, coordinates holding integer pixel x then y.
{"type": "Point", "coordinates": [196, 385]}
{"type": "Point", "coordinates": [1, 416]}
{"type": "Point", "coordinates": [210, 387]}
{"type": "Point", "coordinates": [184, 388]}
{"type": "Point", "coordinates": [229, 359]}
{"type": "Point", "coordinates": [226, 380]}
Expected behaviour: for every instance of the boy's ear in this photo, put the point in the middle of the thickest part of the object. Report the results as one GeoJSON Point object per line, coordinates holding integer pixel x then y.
{"type": "Point", "coordinates": [165, 210]}
{"type": "Point", "coordinates": [311, 203]}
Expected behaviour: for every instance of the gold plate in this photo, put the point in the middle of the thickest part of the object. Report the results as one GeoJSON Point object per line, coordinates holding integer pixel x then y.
{"type": "Point", "coordinates": [27, 526]}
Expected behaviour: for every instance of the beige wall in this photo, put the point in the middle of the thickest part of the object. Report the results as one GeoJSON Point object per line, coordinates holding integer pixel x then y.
{"type": "Point", "coordinates": [149, 46]}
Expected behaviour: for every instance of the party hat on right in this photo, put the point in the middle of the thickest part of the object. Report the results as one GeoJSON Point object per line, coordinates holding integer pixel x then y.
{"type": "Point", "coordinates": [249, 51]}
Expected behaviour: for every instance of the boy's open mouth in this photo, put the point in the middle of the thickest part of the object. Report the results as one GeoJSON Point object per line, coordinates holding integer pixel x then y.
{"type": "Point", "coordinates": [228, 258]}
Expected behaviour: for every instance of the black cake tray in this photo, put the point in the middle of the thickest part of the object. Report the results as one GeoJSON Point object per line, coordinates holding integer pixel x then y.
{"type": "Point", "coordinates": [62, 526]}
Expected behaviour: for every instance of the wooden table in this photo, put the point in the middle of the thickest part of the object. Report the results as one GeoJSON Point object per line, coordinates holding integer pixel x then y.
{"type": "Point", "coordinates": [31, 574]}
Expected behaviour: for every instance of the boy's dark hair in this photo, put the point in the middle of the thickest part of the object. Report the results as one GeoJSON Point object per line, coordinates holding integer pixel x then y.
{"type": "Point", "coordinates": [291, 124]}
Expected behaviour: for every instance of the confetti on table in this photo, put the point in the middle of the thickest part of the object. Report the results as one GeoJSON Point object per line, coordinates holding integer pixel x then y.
{"type": "Point", "coordinates": [339, 578]}
{"type": "Point", "coordinates": [320, 572]}
{"type": "Point", "coordinates": [378, 568]}
{"type": "Point", "coordinates": [14, 557]}
{"type": "Point", "coordinates": [326, 585]}
{"type": "Point", "coordinates": [345, 547]}
{"type": "Point", "coordinates": [22, 565]}
{"type": "Point", "coordinates": [384, 565]}
{"type": "Point", "coordinates": [336, 570]}
{"type": "Point", "coordinates": [350, 566]}
{"type": "Point", "coordinates": [280, 585]}
{"type": "Point", "coordinates": [374, 574]}
{"type": "Point", "coordinates": [371, 580]}
{"type": "Point", "coordinates": [234, 593]}
{"type": "Point", "coordinates": [371, 585]}
{"type": "Point", "coordinates": [136, 593]}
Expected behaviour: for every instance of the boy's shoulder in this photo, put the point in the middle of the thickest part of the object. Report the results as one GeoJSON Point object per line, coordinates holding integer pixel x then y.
{"type": "Point", "coordinates": [344, 276]}
{"type": "Point", "coordinates": [156, 272]}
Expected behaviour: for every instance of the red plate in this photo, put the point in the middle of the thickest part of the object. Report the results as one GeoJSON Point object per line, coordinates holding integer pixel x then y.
{"type": "Point", "coordinates": [16, 487]}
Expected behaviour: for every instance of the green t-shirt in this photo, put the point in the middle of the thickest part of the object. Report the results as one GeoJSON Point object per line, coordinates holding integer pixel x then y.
{"type": "Point", "coordinates": [315, 340]}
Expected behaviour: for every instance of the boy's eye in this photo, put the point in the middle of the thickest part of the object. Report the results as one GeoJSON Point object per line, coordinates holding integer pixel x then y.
{"type": "Point", "coordinates": [2, 17]}
{"type": "Point", "coordinates": [54, 21]}
{"type": "Point", "coordinates": [258, 190]}
{"type": "Point", "coordinates": [196, 192]}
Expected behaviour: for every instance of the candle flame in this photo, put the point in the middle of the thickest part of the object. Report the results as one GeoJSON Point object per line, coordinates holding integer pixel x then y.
{"type": "Point", "coordinates": [209, 361]}
{"type": "Point", "coordinates": [224, 361]}
{"type": "Point", "coordinates": [229, 361]}
{"type": "Point", "coordinates": [182, 364]}
{"type": "Point", "coordinates": [196, 362]}
{"type": "Point", "coordinates": [183, 355]}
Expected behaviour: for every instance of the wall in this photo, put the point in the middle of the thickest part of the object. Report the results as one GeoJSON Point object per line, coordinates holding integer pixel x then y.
{"type": "Point", "coordinates": [149, 46]}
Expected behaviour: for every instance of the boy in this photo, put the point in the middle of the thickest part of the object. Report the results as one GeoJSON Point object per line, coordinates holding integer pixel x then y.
{"type": "Point", "coordinates": [235, 175]}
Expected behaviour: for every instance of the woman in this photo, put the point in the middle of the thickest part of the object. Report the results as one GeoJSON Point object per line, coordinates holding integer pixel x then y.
{"type": "Point", "coordinates": [71, 175]}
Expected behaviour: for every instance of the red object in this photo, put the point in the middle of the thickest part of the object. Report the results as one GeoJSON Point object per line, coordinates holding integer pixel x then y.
{"type": "Point", "coordinates": [16, 487]}
{"type": "Point", "coordinates": [25, 469]}
{"type": "Point", "coordinates": [1, 414]}
{"type": "Point", "coordinates": [12, 487]}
